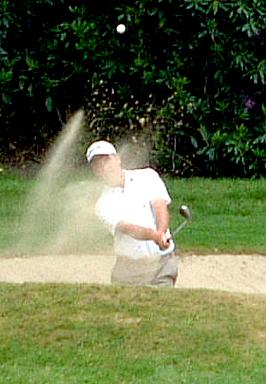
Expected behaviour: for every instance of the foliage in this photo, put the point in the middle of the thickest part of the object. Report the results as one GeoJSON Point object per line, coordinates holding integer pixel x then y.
{"type": "Point", "coordinates": [187, 78]}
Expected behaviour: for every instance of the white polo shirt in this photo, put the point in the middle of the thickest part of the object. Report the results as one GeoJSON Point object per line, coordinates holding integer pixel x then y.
{"type": "Point", "coordinates": [132, 204]}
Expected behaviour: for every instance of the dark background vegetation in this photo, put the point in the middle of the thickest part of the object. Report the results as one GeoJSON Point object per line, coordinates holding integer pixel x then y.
{"type": "Point", "coordinates": [186, 79]}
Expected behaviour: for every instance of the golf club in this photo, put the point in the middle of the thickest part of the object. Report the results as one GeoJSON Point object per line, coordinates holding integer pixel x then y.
{"type": "Point", "coordinates": [185, 212]}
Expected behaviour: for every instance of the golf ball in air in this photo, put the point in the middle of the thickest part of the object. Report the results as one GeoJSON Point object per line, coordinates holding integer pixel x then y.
{"type": "Point", "coordinates": [121, 28]}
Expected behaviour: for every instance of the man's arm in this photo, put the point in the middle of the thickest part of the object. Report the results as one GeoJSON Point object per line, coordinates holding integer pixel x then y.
{"type": "Point", "coordinates": [161, 212]}
{"type": "Point", "coordinates": [136, 231]}
{"type": "Point", "coordinates": [142, 233]}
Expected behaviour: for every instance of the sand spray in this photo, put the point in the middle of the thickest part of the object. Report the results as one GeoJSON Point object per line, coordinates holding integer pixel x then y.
{"type": "Point", "coordinates": [59, 215]}
{"type": "Point", "coordinates": [59, 211]}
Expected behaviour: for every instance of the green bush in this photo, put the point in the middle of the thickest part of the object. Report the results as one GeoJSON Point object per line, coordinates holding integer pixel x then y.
{"type": "Point", "coordinates": [186, 79]}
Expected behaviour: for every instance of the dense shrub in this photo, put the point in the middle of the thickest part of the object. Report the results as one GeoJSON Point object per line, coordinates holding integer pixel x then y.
{"type": "Point", "coordinates": [186, 79]}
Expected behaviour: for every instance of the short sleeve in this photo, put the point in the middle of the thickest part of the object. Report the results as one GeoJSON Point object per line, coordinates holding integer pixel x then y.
{"type": "Point", "coordinates": [155, 187]}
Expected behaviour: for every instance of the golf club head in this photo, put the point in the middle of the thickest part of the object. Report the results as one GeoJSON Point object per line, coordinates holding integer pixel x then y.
{"type": "Point", "coordinates": [185, 212]}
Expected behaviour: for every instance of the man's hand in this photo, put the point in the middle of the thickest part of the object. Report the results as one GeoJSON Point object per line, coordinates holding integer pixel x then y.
{"type": "Point", "coordinates": [161, 239]}
{"type": "Point", "coordinates": [143, 233]}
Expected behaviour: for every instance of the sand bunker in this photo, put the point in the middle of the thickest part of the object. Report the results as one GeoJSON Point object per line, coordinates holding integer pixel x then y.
{"type": "Point", "coordinates": [234, 273]}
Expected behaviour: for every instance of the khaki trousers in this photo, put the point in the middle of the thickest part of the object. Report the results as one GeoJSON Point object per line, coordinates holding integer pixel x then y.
{"type": "Point", "coordinates": [159, 271]}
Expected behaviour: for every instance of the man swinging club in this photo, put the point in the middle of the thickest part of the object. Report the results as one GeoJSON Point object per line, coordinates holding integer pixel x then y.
{"type": "Point", "coordinates": [134, 207]}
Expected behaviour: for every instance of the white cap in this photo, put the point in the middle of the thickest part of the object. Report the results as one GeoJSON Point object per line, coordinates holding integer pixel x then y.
{"type": "Point", "coordinates": [100, 148]}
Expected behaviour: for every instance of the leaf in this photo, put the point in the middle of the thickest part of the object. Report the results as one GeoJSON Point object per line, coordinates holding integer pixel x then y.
{"type": "Point", "coordinates": [6, 98]}
{"type": "Point", "coordinates": [194, 142]}
{"type": "Point", "coordinates": [49, 104]}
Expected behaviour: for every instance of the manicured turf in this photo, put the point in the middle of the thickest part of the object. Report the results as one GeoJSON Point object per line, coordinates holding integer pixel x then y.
{"type": "Point", "coordinates": [228, 215]}
{"type": "Point", "coordinates": [63, 333]}
{"type": "Point", "coordinates": [89, 334]}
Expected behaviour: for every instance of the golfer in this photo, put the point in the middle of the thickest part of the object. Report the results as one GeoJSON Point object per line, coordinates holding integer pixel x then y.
{"type": "Point", "coordinates": [134, 208]}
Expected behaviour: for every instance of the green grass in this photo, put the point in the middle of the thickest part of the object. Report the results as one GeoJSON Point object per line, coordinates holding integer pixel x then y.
{"type": "Point", "coordinates": [67, 334]}
{"type": "Point", "coordinates": [228, 216]}
{"type": "Point", "coordinates": [90, 334]}
{"type": "Point", "coordinates": [13, 189]}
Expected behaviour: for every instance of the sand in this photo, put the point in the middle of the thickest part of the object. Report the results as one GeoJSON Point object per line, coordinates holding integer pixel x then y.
{"type": "Point", "coordinates": [233, 273]}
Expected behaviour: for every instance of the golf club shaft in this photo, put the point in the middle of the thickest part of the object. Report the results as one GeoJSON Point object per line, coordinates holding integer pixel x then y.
{"type": "Point", "coordinates": [182, 225]}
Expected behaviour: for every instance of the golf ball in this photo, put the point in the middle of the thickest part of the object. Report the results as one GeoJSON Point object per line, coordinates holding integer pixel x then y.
{"type": "Point", "coordinates": [121, 28]}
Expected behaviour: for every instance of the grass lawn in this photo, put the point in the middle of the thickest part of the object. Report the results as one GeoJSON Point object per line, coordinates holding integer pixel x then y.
{"type": "Point", "coordinates": [64, 333]}
{"type": "Point", "coordinates": [90, 334]}
{"type": "Point", "coordinates": [228, 216]}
